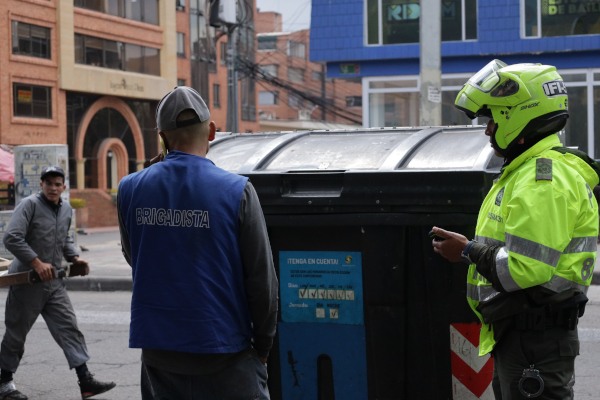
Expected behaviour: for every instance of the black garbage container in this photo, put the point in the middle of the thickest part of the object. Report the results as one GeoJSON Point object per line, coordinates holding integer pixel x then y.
{"type": "Point", "coordinates": [367, 309]}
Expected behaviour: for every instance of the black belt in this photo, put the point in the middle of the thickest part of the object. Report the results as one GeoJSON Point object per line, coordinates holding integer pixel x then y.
{"type": "Point", "coordinates": [565, 314]}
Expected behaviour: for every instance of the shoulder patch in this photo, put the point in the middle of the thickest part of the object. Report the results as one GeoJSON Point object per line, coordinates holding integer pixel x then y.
{"type": "Point", "coordinates": [499, 197]}
{"type": "Point", "coordinates": [543, 169]}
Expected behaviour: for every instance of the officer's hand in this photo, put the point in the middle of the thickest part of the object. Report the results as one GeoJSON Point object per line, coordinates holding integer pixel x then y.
{"type": "Point", "coordinates": [451, 247]}
{"type": "Point", "coordinates": [44, 270]}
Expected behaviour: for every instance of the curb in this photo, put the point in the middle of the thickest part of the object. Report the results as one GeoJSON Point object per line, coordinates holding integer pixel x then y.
{"type": "Point", "coordinates": [100, 284]}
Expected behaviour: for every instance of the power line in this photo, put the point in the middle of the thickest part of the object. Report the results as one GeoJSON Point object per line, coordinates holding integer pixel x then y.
{"type": "Point", "coordinates": [253, 70]}
{"type": "Point", "coordinates": [297, 14]}
{"type": "Point", "coordinates": [344, 91]}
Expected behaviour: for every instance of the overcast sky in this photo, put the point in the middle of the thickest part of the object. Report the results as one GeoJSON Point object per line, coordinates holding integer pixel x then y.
{"type": "Point", "coordinates": [295, 14]}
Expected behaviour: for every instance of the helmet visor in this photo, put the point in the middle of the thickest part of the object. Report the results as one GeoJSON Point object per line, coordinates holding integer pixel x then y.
{"type": "Point", "coordinates": [487, 78]}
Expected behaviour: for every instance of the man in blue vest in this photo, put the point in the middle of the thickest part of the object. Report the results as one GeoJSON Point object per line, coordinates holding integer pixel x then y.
{"type": "Point", "coordinates": [204, 305]}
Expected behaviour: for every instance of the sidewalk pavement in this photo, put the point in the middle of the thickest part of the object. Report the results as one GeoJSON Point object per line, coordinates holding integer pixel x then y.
{"type": "Point", "coordinates": [101, 248]}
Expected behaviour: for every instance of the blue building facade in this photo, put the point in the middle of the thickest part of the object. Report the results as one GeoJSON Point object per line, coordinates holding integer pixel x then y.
{"type": "Point", "coordinates": [376, 41]}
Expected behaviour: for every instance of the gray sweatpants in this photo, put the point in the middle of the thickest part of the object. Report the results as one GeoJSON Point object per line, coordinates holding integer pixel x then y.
{"type": "Point", "coordinates": [23, 305]}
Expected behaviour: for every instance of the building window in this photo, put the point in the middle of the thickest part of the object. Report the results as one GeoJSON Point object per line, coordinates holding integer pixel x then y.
{"type": "Point", "coordinates": [295, 74]}
{"type": "Point", "coordinates": [32, 101]}
{"type": "Point", "coordinates": [217, 96]}
{"type": "Point", "coordinates": [144, 11]}
{"type": "Point", "coordinates": [399, 23]}
{"type": "Point", "coordinates": [316, 75]}
{"type": "Point", "coordinates": [181, 82]}
{"type": "Point", "coordinates": [269, 98]}
{"type": "Point", "coordinates": [556, 18]}
{"type": "Point", "coordinates": [151, 59]}
{"type": "Point", "coordinates": [134, 58]}
{"type": "Point", "coordinates": [296, 49]}
{"type": "Point", "coordinates": [353, 101]}
{"type": "Point", "coordinates": [180, 5]}
{"type": "Point", "coordinates": [106, 53]}
{"type": "Point", "coordinates": [270, 69]}
{"type": "Point", "coordinates": [267, 43]}
{"type": "Point", "coordinates": [223, 53]}
{"type": "Point", "coordinates": [180, 45]}
{"type": "Point", "coordinates": [295, 101]}
{"type": "Point", "coordinates": [394, 101]}
{"type": "Point", "coordinates": [30, 40]}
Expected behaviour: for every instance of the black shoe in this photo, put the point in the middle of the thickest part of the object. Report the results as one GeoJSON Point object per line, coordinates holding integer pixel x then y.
{"type": "Point", "coordinates": [8, 391]}
{"type": "Point", "coordinates": [91, 387]}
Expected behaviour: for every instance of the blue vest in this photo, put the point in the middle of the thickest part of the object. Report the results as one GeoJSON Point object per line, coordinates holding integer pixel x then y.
{"type": "Point", "coordinates": [181, 216]}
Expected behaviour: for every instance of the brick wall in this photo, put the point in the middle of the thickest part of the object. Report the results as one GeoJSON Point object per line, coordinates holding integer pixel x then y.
{"type": "Point", "coordinates": [29, 70]}
{"type": "Point", "coordinates": [267, 22]}
{"type": "Point", "coordinates": [335, 90]}
{"type": "Point", "coordinates": [100, 208]}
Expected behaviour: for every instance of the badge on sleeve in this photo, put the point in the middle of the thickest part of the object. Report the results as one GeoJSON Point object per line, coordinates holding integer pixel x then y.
{"type": "Point", "coordinates": [543, 169]}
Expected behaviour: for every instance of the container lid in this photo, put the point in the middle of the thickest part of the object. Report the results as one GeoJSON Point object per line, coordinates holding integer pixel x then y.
{"type": "Point", "coordinates": [375, 149]}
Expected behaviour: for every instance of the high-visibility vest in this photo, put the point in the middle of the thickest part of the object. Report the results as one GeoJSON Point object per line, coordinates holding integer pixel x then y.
{"type": "Point", "coordinates": [542, 213]}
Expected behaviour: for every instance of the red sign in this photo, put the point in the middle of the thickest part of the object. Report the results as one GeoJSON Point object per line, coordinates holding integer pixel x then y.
{"type": "Point", "coordinates": [471, 374]}
{"type": "Point", "coordinates": [24, 96]}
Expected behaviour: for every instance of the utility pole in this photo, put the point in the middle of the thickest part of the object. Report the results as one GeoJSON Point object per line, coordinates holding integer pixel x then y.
{"type": "Point", "coordinates": [232, 81]}
{"type": "Point", "coordinates": [323, 92]}
{"type": "Point", "coordinates": [430, 37]}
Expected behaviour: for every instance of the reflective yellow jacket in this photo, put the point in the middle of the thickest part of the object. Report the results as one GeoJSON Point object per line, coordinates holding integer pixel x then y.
{"type": "Point", "coordinates": [543, 215]}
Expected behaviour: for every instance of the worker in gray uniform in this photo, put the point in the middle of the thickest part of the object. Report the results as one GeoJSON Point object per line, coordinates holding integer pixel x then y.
{"type": "Point", "coordinates": [37, 236]}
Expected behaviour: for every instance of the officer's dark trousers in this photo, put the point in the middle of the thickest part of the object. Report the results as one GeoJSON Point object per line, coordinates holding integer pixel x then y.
{"type": "Point", "coordinates": [23, 305]}
{"type": "Point", "coordinates": [551, 351]}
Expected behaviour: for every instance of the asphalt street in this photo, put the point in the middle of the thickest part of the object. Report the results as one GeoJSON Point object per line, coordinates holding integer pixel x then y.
{"type": "Point", "coordinates": [103, 318]}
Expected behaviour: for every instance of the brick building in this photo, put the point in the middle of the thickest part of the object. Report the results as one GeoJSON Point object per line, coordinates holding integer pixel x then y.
{"type": "Point", "coordinates": [90, 73]}
{"type": "Point", "coordinates": [284, 56]}
{"type": "Point", "coordinates": [202, 55]}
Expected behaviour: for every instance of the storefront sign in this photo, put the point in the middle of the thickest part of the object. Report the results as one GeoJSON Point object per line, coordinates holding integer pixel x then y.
{"type": "Point", "coordinates": [349, 68]}
{"type": "Point", "coordinates": [559, 7]}
{"type": "Point", "coordinates": [123, 85]}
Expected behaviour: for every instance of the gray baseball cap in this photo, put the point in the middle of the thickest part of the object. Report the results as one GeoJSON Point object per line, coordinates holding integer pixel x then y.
{"type": "Point", "coordinates": [177, 100]}
{"type": "Point", "coordinates": [52, 170]}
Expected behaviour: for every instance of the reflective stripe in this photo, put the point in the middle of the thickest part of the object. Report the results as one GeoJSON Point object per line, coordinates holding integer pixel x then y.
{"type": "Point", "coordinates": [582, 245]}
{"type": "Point", "coordinates": [481, 293]}
{"type": "Point", "coordinates": [489, 241]}
{"type": "Point", "coordinates": [559, 284]}
{"type": "Point", "coordinates": [506, 279]}
{"type": "Point", "coordinates": [531, 249]}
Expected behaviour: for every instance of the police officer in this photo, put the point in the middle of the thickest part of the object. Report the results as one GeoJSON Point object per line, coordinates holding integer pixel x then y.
{"type": "Point", "coordinates": [531, 261]}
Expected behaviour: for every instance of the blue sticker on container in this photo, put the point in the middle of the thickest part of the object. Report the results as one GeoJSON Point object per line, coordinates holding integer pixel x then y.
{"type": "Point", "coordinates": [321, 286]}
